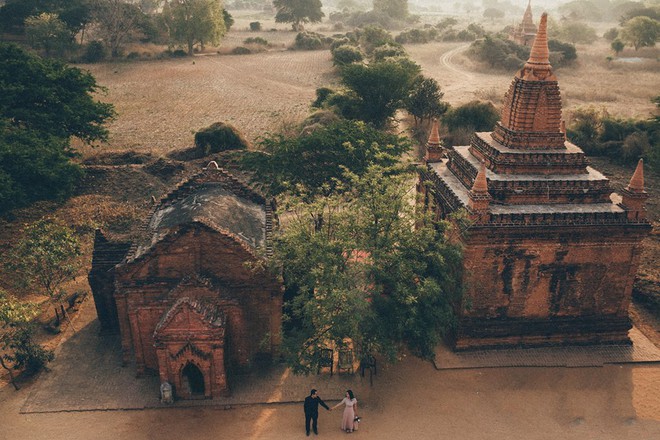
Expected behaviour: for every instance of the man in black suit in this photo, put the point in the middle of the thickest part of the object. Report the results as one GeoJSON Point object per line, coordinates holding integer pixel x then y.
{"type": "Point", "coordinates": [312, 403]}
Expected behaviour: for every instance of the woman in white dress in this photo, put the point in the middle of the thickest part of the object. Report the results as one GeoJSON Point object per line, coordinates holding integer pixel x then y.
{"type": "Point", "coordinates": [350, 410]}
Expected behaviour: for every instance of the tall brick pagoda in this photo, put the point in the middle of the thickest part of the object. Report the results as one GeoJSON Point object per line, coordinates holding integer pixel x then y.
{"type": "Point", "coordinates": [525, 32]}
{"type": "Point", "coordinates": [550, 253]}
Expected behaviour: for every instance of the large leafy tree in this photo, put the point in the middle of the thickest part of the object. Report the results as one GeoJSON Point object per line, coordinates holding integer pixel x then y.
{"type": "Point", "coordinates": [397, 9]}
{"type": "Point", "coordinates": [314, 163]}
{"type": "Point", "coordinates": [46, 31]}
{"type": "Point", "coordinates": [118, 23]}
{"type": "Point", "coordinates": [42, 105]}
{"type": "Point", "coordinates": [192, 22]}
{"type": "Point", "coordinates": [641, 32]}
{"type": "Point", "coordinates": [298, 12]}
{"type": "Point", "coordinates": [380, 87]}
{"type": "Point", "coordinates": [75, 14]}
{"type": "Point", "coordinates": [366, 274]}
{"type": "Point", "coordinates": [425, 100]}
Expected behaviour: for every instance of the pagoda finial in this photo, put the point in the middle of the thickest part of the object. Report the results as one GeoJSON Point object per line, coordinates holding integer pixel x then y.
{"type": "Point", "coordinates": [636, 184]}
{"type": "Point", "coordinates": [540, 54]}
{"type": "Point", "coordinates": [434, 136]}
{"type": "Point", "coordinates": [480, 185]}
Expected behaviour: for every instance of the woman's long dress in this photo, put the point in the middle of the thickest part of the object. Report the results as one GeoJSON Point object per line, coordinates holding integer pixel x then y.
{"type": "Point", "coordinates": [349, 414]}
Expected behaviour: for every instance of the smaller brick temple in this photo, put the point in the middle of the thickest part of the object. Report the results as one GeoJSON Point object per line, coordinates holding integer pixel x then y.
{"type": "Point", "coordinates": [550, 252]}
{"type": "Point", "coordinates": [525, 31]}
{"type": "Point", "coordinates": [191, 297]}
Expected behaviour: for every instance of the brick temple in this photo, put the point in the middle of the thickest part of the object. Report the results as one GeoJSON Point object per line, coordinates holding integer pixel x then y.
{"type": "Point", "coordinates": [550, 253]}
{"type": "Point", "coordinates": [525, 31]}
{"type": "Point", "coordinates": [191, 298]}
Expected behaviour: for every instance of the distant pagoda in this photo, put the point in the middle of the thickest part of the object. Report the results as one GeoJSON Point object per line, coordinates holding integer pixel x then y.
{"type": "Point", "coordinates": [550, 253]}
{"type": "Point", "coordinates": [525, 32]}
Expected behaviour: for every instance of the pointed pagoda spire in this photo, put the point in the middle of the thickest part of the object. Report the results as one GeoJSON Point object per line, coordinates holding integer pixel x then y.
{"type": "Point", "coordinates": [434, 150]}
{"type": "Point", "coordinates": [479, 197]}
{"type": "Point", "coordinates": [636, 184]}
{"type": "Point", "coordinates": [480, 185]}
{"type": "Point", "coordinates": [434, 136]}
{"type": "Point", "coordinates": [539, 57]}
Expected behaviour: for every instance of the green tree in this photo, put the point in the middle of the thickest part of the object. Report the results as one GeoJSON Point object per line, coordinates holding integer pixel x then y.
{"type": "Point", "coordinates": [46, 31]}
{"type": "Point", "coordinates": [381, 87]}
{"type": "Point", "coordinates": [47, 96]}
{"type": "Point", "coordinates": [118, 23]}
{"type": "Point", "coordinates": [76, 14]}
{"type": "Point", "coordinates": [617, 46]}
{"type": "Point", "coordinates": [475, 116]}
{"type": "Point", "coordinates": [298, 12]}
{"type": "Point", "coordinates": [493, 13]}
{"type": "Point", "coordinates": [576, 32]}
{"type": "Point", "coordinates": [641, 32]}
{"type": "Point", "coordinates": [16, 339]}
{"type": "Point", "coordinates": [312, 163]}
{"type": "Point", "coordinates": [46, 257]}
{"type": "Point", "coordinates": [42, 105]}
{"type": "Point", "coordinates": [192, 22]}
{"type": "Point", "coordinates": [425, 100]}
{"type": "Point", "coordinates": [397, 9]}
{"type": "Point", "coordinates": [366, 274]}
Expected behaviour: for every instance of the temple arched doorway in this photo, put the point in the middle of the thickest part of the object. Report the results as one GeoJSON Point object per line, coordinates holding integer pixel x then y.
{"type": "Point", "coordinates": [192, 380]}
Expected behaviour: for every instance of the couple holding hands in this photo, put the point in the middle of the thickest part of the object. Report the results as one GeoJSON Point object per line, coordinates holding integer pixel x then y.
{"type": "Point", "coordinates": [349, 421]}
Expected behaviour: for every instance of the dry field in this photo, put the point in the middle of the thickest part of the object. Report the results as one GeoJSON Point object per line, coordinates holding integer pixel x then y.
{"type": "Point", "coordinates": [161, 104]}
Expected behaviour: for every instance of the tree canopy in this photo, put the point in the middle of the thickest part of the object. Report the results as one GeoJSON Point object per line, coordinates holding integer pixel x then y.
{"type": "Point", "coordinates": [42, 105]}
{"type": "Point", "coordinates": [365, 273]}
{"type": "Point", "coordinates": [313, 163]}
{"type": "Point", "coordinates": [192, 22]}
{"type": "Point", "coordinates": [641, 32]}
{"type": "Point", "coordinates": [298, 12]}
{"type": "Point", "coordinates": [380, 87]}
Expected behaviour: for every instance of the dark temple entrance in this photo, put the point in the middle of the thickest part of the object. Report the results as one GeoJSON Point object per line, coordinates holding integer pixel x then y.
{"type": "Point", "coordinates": [193, 380]}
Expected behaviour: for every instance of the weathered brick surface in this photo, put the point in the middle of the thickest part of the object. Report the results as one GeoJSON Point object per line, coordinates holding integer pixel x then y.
{"type": "Point", "coordinates": [193, 292]}
{"type": "Point", "coordinates": [549, 257]}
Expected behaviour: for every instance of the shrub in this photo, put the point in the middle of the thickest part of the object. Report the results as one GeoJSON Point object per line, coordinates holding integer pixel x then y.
{"type": "Point", "coordinates": [311, 41]}
{"type": "Point", "coordinates": [417, 36]}
{"type": "Point", "coordinates": [256, 40]}
{"type": "Point", "coordinates": [133, 56]}
{"type": "Point", "coordinates": [240, 50]}
{"type": "Point", "coordinates": [635, 146]}
{"type": "Point", "coordinates": [346, 55]}
{"type": "Point", "coordinates": [322, 94]}
{"type": "Point", "coordinates": [95, 52]}
{"type": "Point", "coordinates": [255, 26]}
{"type": "Point", "coordinates": [219, 137]}
{"type": "Point", "coordinates": [475, 115]}
{"type": "Point", "coordinates": [387, 51]}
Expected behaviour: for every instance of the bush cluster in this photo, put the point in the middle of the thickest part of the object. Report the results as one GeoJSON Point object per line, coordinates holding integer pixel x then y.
{"type": "Point", "coordinates": [417, 36]}
{"type": "Point", "coordinates": [502, 53]}
{"type": "Point", "coordinates": [311, 41]}
{"type": "Point", "coordinates": [256, 40]}
{"type": "Point", "coordinates": [219, 137]}
{"type": "Point", "coordinates": [623, 140]}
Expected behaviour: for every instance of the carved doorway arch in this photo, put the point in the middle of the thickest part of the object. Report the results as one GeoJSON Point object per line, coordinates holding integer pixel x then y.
{"type": "Point", "coordinates": [192, 380]}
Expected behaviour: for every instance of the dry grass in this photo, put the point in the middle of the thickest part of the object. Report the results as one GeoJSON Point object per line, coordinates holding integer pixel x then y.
{"type": "Point", "coordinates": [160, 104]}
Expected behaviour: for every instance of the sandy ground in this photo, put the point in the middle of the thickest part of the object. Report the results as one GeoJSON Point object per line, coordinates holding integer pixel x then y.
{"type": "Point", "coordinates": [409, 401]}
